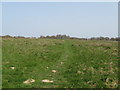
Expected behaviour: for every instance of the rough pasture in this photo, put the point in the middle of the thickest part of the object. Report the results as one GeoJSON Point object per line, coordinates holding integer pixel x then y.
{"type": "Point", "coordinates": [55, 63]}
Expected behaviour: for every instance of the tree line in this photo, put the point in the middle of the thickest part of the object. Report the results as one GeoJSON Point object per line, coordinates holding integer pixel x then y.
{"type": "Point", "coordinates": [59, 36]}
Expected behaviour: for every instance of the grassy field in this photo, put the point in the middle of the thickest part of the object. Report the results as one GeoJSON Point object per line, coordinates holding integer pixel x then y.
{"type": "Point", "coordinates": [55, 63]}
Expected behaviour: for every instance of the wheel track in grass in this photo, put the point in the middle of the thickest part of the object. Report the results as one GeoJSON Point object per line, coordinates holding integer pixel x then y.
{"type": "Point", "coordinates": [60, 67]}
{"type": "Point", "coordinates": [57, 77]}
{"type": "Point", "coordinates": [61, 78]}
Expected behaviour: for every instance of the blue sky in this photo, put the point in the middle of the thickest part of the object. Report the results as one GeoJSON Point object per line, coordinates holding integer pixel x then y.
{"type": "Point", "coordinates": [78, 19]}
{"type": "Point", "coordinates": [0, 18]}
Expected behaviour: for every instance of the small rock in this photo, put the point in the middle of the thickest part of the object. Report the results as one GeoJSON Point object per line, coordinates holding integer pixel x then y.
{"type": "Point", "coordinates": [54, 71]}
{"type": "Point", "coordinates": [12, 68]}
{"type": "Point", "coordinates": [48, 81]}
{"type": "Point", "coordinates": [61, 62]}
{"type": "Point", "coordinates": [29, 81]}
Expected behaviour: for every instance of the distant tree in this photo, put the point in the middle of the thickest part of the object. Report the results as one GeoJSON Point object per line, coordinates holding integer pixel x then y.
{"type": "Point", "coordinates": [117, 39]}
{"type": "Point", "coordinates": [113, 39]}
{"type": "Point", "coordinates": [92, 38]}
{"type": "Point", "coordinates": [42, 37]}
{"type": "Point", "coordinates": [7, 36]}
{"type": "Point", "coordinates": [47, 36]}
{"type": "Point", "coordinates": [106, 38]}
{"type": "Point", "coordinates": [20, 37]}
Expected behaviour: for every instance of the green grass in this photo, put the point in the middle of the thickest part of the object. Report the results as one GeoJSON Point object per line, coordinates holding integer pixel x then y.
{"type": "Point", "coordinates": [78, 63]}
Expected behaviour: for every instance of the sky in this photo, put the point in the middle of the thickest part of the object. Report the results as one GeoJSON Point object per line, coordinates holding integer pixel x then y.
{"type": "Point", "coordinates": [0, 18]}
{"type": "Point", "coordinates": [76, 19]}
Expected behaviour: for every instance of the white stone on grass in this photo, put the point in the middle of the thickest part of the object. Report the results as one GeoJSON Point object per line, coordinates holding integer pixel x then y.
{"type": "Point", "coordinates": [12, 68]}
{"type": "Point", "coordinates": [47, 81]}
{"type": "Point", "coordinates": [54, 71]}
{"type": "Point", "coordinates": [29, 81]}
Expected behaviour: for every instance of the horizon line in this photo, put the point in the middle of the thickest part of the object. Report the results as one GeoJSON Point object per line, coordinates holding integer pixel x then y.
{"type": "Point", "coordinates": [56, 35]}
